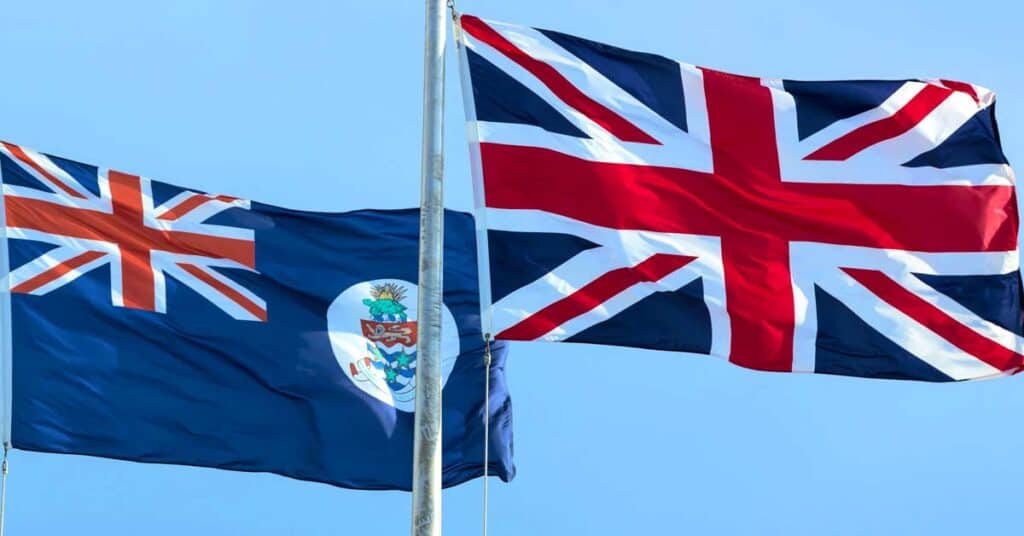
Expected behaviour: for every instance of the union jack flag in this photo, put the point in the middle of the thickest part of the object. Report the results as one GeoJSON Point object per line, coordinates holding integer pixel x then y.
{"type": "Point", "coordinates": [98, 217]}
{"type": "Point", "coordinates": [864, 228]}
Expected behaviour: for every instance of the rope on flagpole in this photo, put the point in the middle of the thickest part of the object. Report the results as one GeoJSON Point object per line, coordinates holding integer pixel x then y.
{"type": "Point", "coordinates": [487, 422]}
{"type": "Point", "coordinates": [454, 12]}
{"type": "Point", "coordinates": [3, 488]}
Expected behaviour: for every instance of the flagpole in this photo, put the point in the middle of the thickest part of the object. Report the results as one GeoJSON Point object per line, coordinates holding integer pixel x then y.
{"type": "Point", "coordinates": [426, 479]}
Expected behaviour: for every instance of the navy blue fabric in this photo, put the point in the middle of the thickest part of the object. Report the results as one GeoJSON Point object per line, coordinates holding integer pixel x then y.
{"type": "Point", "coordinates": [975, 142]}
{"type": "Point", "coordinates": [518, 259]}
{"type": "Point", "coordinates": [14, 175]}
{"type": "Point", "coordinates": [996, 298]}
{"type": "Point", "coordinates": [502, 99]}
{"type": "Point", "coordinates": [819, 104]}
{"type": "Point", "coordinates": [677, 321]}
{"type": "Point", "coordinates": [21, 251]}
{"type": "Point", "coordinates": [84, 174]}
{"type": "Point", "coordinates": [847, 346]}
{"type": "Point", "coordinates": [653, 80]}
{"type": "Point", "coordinates": [194, 386]}
{"type": "Point", "coordinates": [163, 192]}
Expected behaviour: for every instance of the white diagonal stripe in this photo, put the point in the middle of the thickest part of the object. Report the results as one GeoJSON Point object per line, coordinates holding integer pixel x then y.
{"type": "Point", "coordinates": [903, 330]}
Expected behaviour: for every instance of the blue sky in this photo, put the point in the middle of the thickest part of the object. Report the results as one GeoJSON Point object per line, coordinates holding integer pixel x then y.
{"type": "Point", "coordinates": [316, 105]}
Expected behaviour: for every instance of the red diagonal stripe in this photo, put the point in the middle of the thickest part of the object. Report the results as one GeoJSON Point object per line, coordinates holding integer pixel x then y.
{"type": "Point", "coordinates": [191, 203]}
{"type": "Point", "coordinates": [21, 155]}
{"type": "Point", "coordinates": [936, 319]}
{"type": "Point", "coordinates": [870, 134]}
{"type": "Point", "coordinates": [228, 292]}
{"type": "Point", "coordinates": [564, 89]}
{"type": "Point", "coordinates": [963, 88]}
{"type": "Point", "coordinates": [57, 272]}
{"type": "Point", "coordinates": [593, 294]}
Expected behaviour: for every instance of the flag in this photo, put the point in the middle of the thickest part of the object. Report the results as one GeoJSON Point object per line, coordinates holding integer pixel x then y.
{"type": "Point", "coordinates": [155, 323]}
{"type": "Point", "coordinates": [863, 228]}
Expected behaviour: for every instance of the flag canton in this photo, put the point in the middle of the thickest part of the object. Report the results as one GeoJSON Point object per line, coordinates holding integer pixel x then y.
{"type": "Point", "coordinates": [95, 218]}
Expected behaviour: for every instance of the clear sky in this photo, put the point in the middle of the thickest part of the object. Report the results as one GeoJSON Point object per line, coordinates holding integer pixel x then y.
{"type": "Point", "coordinates": [316, 105]}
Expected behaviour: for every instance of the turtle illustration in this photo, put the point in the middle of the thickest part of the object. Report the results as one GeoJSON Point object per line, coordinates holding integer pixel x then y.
{"type": "Point", "coordinates": [385, 306]}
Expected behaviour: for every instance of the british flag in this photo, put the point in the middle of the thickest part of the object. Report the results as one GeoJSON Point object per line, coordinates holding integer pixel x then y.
{"type": "Point", "coordinates": [864, 228]}
{"type": "Point", "coordinates": [97, 217]}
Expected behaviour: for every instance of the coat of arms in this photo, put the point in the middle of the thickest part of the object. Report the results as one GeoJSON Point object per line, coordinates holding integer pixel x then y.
{"type": "Point", "coordinates": [391, 342]}
{"type": "Point", "coordinates": [374, 333]}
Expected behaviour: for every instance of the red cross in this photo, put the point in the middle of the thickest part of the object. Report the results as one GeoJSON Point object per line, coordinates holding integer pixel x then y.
{"type": "Point", "coordinates": [746, 203]}
{"type": "Point", "coordinates": [124, 227]}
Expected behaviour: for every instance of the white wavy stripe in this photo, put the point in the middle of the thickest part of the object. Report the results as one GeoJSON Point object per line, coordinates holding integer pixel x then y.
{"type": "Point", "coordinates": [214, 296]}
{"type": "Point", "coordinates": [644, 242]}
{"type": "Point", "coordinates": [697, 125]}
{"type": "Point", "coordinates": [117, 279]}
{"type": "Point", "coordinates": [41, 264]}
{"type": "Point", "coordinates": [513, 69]}
{"type": "Point", "coordinates": [192, 220]}
{"type": "Point", "coordinates": [61, 240]}
{"type": "Point", "coordinates": [961, 314]}
{"type": "Point", "coordinates": [159, 287]}
{"type": "Point", "coordinates": [619, 302]}
{"type": "Point", "coordinates": [905, 331]}
{"type": "Point", "coordinates": [49, 260]}
{"type": "Point", "coordinates": [840, 128]}
{"type": "Point", "coordinates": [220, 231]}
{"type": "Point", "coordinates": [93, 203]}
{"type": "Point", "coordinates": [928, 134]}
{"type": "Point", "coordinates": [806, 272]}
{"type": "Point", "coordinates": [879, 165]}
{"type": "Point", "coordinates": [164, 260]}
{"type": "Point", "coordinates": [805, 316]}
{"type": "Point", "coordinates": [814, 262]}
{"type": "Point", "coordinates": [476, 174]}
{"type": "Point", "coordinates": [209, 208]}
{"type": "Point", "coordinates": [71, 275]}
{"type": "Point", "coordinates": [58, 173]}
{"type": "Point", "coordinates": [819, 258]}
{"type": "Point", "coordinates": [44, 162]}
{"type": "Point", "coordinates": [233, 285]}
{"type": "Point", "coordinates": [985, 95]}
{"type": "Point", "coordinates": [621, 248]}
{"type": "Point", "coordinates": [173, 202]}
{"type": "Point", "coordinates": [590, 81]}
{"type": "Point", "coordinates": [865, 172]}
{"type": "Point", "coordinates": [676, 150]}
{"type": "Point", "coordinates": [810, 261]}
{"type": "Point", "coordinates": [689, 155]}
{"type": "Point", "coordinates": [560, 282]}
{"type": "Point", "coordinates": [146, 195]}
{"type": "Point", "coordinates": [200, 260]}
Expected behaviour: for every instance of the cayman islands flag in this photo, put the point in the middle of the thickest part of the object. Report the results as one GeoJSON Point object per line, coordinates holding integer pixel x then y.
{"type": "Point", "coordinates": [863, 228]}
{"type": "Point", "coordinates": [155, 323]}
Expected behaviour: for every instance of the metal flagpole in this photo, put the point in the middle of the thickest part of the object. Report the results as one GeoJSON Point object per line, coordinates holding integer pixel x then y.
{"type": "Point", "coordinates": [426, 478]}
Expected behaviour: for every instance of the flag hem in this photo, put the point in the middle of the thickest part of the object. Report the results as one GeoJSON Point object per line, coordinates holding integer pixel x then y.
{"type": "Point", "coordinates": [483, 257]}
{"type": "Point", "coordinates": [5, 328]}
{"type": "Point", "coordinates": [453, 476]}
